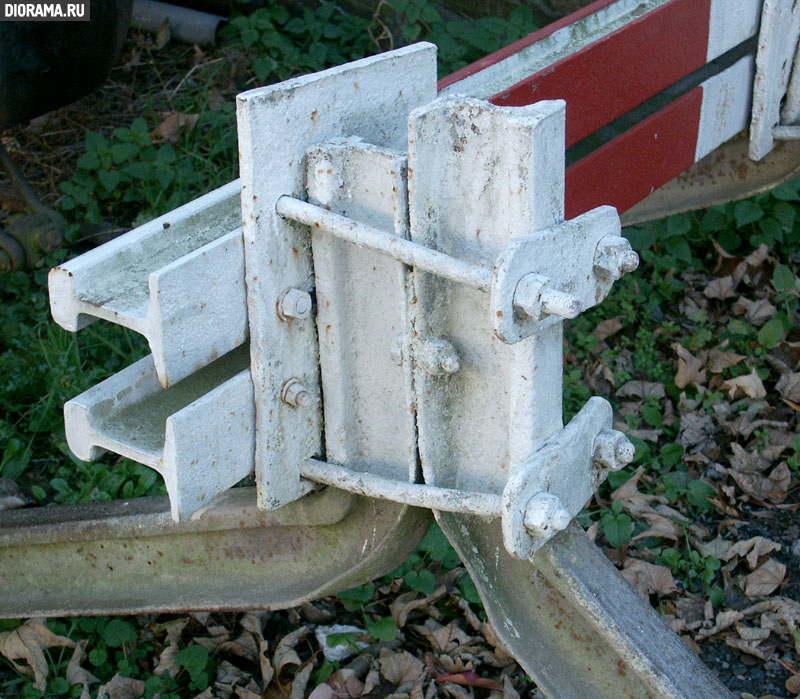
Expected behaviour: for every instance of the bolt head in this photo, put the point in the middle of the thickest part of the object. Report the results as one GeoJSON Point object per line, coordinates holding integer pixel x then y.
{"type": "Point", "coordinates": [294, 303]}
{"type": "Point", "coordinates": [612, 450]}
{"type": "Point", "coordinates": [545, 514]}
{"type": "Point", "coordinates": [295, 394]}
{"type": "Point", "coordinates": [450, 363]}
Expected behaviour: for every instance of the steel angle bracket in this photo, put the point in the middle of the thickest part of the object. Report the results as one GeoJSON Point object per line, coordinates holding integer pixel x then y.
{"type": "Point", "coordinates": [576, 262]}
{"type": "Point", "coordinates": [562, 474]}
{"type": "Point", "coordinates": [370, 99]}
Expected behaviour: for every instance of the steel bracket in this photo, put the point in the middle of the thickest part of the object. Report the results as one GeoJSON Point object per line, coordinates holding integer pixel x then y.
{"type": "Point", "coordinates": [548, 490]}
{"type": "Point", "coordinates": [573, 264]}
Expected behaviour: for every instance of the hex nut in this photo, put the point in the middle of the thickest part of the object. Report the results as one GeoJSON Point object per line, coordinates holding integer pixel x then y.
{"type": "Point", "coordinates": [545, 514]}
{"type": "Point", "coordinates": [612, 450]}
{"type": "Point", "coordinates": [295, 394]}
{"type": "Point", "coordinates": [437, 356]}
{"type": "Point", "coordinates": [294, 303]}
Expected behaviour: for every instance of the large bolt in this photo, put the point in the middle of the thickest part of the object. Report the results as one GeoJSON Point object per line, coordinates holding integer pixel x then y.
{"type": "Point", "coordinates": [294, 303]}
{"type": "Point", "coordinates": [615, 257]}
{"type": "Point", "coordinates": [437, 356]}
{"type": "Point", "coordinates": [545, 515]}
{"type": "Point", "coordinates": [534, 299]}
{"type": "Point", "coordinates": [612, 450]}
{"type": "Point", "coordinates": [295, 394]}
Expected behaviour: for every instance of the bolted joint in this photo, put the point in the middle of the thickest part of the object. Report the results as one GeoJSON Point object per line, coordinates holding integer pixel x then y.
{"type": "Point", "coordinates": [294, 303]}
{"type": "Point", "coordinates": [614, 256]}
{"type": "Point", "coordinates": [534, 299]}
{"type": "Point", "coordinates": [437, 356]}
{"type": "Point", "coordinates": [612, 450]}
{"type": "Point", "coordinates": [545, 515]}
{"type": "Point", "coordinates": [295, 394]}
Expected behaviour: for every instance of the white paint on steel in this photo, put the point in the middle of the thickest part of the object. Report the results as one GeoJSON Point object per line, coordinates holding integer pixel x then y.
{"type": "Point", "coordinates": [418, 495]}
{"type": "Point", "coordinates": [387, 243]}
{"type": "Point", "coordinates": [790, 112]}
{"type": "Point", "coordinates": [563, 259]}
{"type": "Point", "coordinates": [177, 280]}
{"type": "Point", "coordinates": [199, 434]}
{"type": "Point", "coordinates": [370, 98]}
{"type": "Point", "coordinates": [730, 23]}
{"type": "Point", "coordinates": [726, 106]}
{"type": "Point", "coordinates": [564, 468]}
{"type": "Point", "coordinates": [560, 44]}
{"type": "Point", "coordinates": [472, 192]}
{"type": "Point", "coordinates": [777, 45]}
{"type": "Point", "coordinates": [362, 300]}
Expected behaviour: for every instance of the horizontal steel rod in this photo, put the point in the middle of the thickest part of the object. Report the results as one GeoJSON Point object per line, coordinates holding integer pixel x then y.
{"type": "Point", "coordinates": [412, 254]}
{"type": "Point", "coordinates": [418, 495]}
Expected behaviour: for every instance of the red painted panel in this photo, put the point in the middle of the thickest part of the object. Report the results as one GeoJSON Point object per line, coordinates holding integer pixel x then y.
{"type": "Point", "coordinates": [615, 74]}
{"type": "Point", "coordinates": [629, 168]}
{"type": "Point", "coordinates": [522, 43]}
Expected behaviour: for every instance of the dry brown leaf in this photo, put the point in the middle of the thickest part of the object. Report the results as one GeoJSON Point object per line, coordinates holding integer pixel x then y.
{"type": "Point", "coordinates": [751, 633]}
{"type": "Point", "coordinates": [119, 687]}
{"type": "Point", "coordinates": [285, 653]}
{"type": "Point", "coordinates": [75, 674]}
{"type": "Point", "coordinates": [793, 684]}
{"type": "Point", "coordinates": [634, 501]}
{"type": "Point", "coordinates": [649, 578]}
{"type": "Point", "coordinates": [765, 579]}
{"type": "Point", "coordinates": [720, 288]}
{"type": "Point", "coordinates": [788, 386]}
{"type": "Point", "coordinates": [27, 642]}
{"type": "Point", "coordinates": [342, 684]}
{"type": "Point", "coordinates": [719, 548]}
{"type": "Point", "coordinates": [697, 428]}
{"type": "Point", "coordinates": [752, 549]}
{"type": "Point", "coordinates": [719, 360]}
{"type": "Point", "coordinates": [725, 619]}
{"type": "Point", "coordinates": [267, 671]}
{"type": "Point", "coordinates": [301, 681]}
{"type": "Point", "coordinates": [163, 35]}
{"type": "Point", "coordinates": [749, 385]}
{"type": "Point", "coordinates": [399, 668]}
{"type": "Point", "coordinates": [664, 527]}
{"type": "Point", "coordinates": [443, 639]}
{"type": "Point", "coordinates": [755, 312]}
{"type": "Point", "coordinates": [166, 659]}
{"type": "Point", "coordinates": [751, 647]}
{"type": "Point", "coordinates": [173, 124]}
{"type": "Point", "coordinates": [690, 368]}
{"type": "Point", "coordinates": [774, 488]}
{"type": "Point", "coordinates": [607, 328]}
{"type": "Point", "coordinates": [642, 389]}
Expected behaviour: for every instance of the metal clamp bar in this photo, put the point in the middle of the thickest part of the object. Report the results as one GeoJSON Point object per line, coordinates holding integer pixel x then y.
{"type": "Point", "coordinates": [412, 254]}
{"type": "Point", "coordinates": [415, 494]}
{"type": "Point", "coordinates": [542, 515]}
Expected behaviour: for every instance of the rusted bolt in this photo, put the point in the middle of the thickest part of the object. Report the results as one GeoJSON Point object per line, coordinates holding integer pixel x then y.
{"type": "Point", "coordinates": [534, 299]}
{"type": "Point", "coordinates": [295, 394]}
{"type": "Point", "coordinates": [615, 256]}
{"type": "Point", "coordinates": [437, 356]}
{"type": "Point", "coordinates": [612, 450]}
{"type": "Point", "coordinates": [545, 514]}
{"type": "Point", "coordinates": [294, 303]}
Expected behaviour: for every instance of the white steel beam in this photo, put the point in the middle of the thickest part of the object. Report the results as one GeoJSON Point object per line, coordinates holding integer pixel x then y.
{"type": "Point", "coordinates": [370, 98]}
{"type": "Point", "coordinates": [178, 280]}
